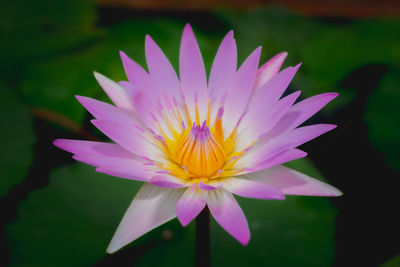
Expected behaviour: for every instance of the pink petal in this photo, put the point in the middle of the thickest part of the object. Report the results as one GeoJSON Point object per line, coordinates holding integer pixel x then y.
{"type": "Point", "coordinates": [151, 207]}
{"type": "Point", "coordinates": [161, 71]}
{"type": "Point", "coordinates": [190, 205]}
{"type": "Point", "coordinates": [167, 181]}
{"type": "Point", "coordinates": [209, 186]}
{"type": "Point", "coordinates": [128, 87]}
{"type": "Point", "coordinates": [272, 90]}
{"type": "Point", "coordinates": [223, 67]}
{"type": "Point", "coordinates": [280, 158]}
{"type": "Point", "coordinates": [292, 182]}
{"type": "Point", "coordinates": [269, 69]}
{"type": "Point", "coordinates": [110, 158]}
{"type": "Point", "coordinates": [135, 73]}
{"type": "Point", "coordinates": [125, 168]}
{"type": "Point", "coordinates": [255, 126]}
{"type": "Point", "coordinates": [115, 92]}
{"type": "Point", "coordinates": [93, 148]}
{"type": "Point", "coordinates": [300, 112]}
{"type": "Point", "coordinates": [228, 214]}
{"type": "Point", "coordinates": [268, 148]}
{"type": "Point", "coordinates": [192, 73]}
{"type": "Point", "coordinates": [252, 189]}
{"type": "Point", "coordinates": [129, 136]}
{"type": "Point", "coordinates": [240, 91]}
{"type": "Point", "coordinates": [117, 172]}
{"type": "Point", "coordinates": [104, 111]}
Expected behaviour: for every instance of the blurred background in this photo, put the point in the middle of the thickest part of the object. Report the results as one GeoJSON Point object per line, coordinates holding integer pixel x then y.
{"type": "Point", "coordinates": [56, 212]}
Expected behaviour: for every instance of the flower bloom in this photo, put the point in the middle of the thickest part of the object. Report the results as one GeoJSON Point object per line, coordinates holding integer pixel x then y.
{"type": "Point", "coordinates": [196, 142]}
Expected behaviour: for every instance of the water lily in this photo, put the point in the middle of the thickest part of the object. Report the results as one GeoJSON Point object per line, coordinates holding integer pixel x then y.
{"type": "Point", "coordinates": [196, 142]}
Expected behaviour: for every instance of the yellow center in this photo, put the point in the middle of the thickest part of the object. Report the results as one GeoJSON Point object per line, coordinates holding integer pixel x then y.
{"type": "Point", "coordinates": [199, 153]}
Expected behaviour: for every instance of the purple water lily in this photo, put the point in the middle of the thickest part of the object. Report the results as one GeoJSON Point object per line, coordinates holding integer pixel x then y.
{"type": "Point", "coordinates": [195, 142]}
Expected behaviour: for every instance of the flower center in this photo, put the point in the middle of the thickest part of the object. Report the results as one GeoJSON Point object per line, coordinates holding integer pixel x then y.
{"type": "Point", "coordinates": [200, 153]}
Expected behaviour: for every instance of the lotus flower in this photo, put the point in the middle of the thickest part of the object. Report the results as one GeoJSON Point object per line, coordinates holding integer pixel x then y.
{"type": "Point", "coordinates": [196, 142]}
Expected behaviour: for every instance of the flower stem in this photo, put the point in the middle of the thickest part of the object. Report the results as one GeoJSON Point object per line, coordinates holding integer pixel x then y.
{"type": "Point", "coordinates": [202, 239]}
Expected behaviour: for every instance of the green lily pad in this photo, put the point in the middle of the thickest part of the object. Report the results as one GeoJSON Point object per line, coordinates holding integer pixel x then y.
{"type": "Point", "coordinates": [16, 141]}
{"type": "Point", "coordinates": [382, 117]}
{"type": "Point", "coordinates": [393, 262]}
{"type": "Point", "coordinates": [71, 221]}
{"type": "Point", "coordinates": [36, 29]}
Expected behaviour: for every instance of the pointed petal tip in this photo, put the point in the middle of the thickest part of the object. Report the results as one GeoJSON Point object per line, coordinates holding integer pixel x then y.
{"type": "Point", "coordinates": [230, 34]}
{"type": "Point", "coordinates": [336, 192]}
{"type": "Point", "coordinates": [183, 220]}
{"type": "Point", "coordinates": [245, 241]}
{"type": "Point", "coordinates": [148, 40]}
{"type": "Point", "coordinates": [188, 27]}
{"type": "Point", "coordinates": [283, 54]}
{"type": "Point", "coordinates": [58, 143]}
{"type": "Point", "coordinates": [298, 65]}
{"type": "Point", "coordinates": [112, 249]}
{"type": "Point", "coordinates": [97, 74]}
{"type": "Point", "coordinates": [122, 53]}
{"type": "Point", "coordinates": [333, 95]}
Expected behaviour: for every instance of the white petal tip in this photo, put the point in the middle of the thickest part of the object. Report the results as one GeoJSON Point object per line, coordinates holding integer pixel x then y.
{"type": "Point", "coordinates": [112, 249]}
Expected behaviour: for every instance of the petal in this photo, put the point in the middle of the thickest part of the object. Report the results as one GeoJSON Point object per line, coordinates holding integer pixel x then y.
{"type": "Point", "coordinates": [268, 148]}
{"type": "Point", "coordinates": [291, 182]}
{"type": "Point", "coordinates": [192, 73]}
{"type": "Point", "coordinates": [254, 127]}
{"type": "Point", "coordinates": [272, 90]}
{"type": "Point", "coordinates": [136, 74]}
{"type": "Point", "coordinates": [209, 186]}
{"type": "Point", "coordinates": [161, 71]}
{"type": "Point", "coordinates": [241, 89]}
{"type": "Point", "coordinates": [269, 69]}
{"type": "Point", "coordinates": [228, 214]}
{"type": "Point", "coordinates": [130, 136]}
{"type": "Point", "coordinates": [104, 111]}
{"type": "Point", "coordinates": [252, 189]}
{"type": "Point", "coordinates": [128, 87]}
{"type": "Point", "coordinates": [300, 112]}
{"type": "Point", "coordinates": [167, 181]}
{"type": "Point", "coordinates": [125, 168]}
{"type": "Point", "coordinates": [110, 158]}
{"type": "Point", "coordinates": [138, 174]}
{"type": "Point", "coordinates": [93, 148]}
{"type": "Point", "coordinates": [115, 92]}
{"type": "Point", "coordinates": [223, 67]}
{"type": "Point", "coordinates": [190, 205]}
{"type": "Point", "coordinates": [280, 158]}
{"type": "Point", "coordinates": [151, 207]}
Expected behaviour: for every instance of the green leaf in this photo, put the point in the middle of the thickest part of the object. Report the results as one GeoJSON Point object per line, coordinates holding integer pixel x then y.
{"type": "Point", "coordinates": [71, 221]}
{"type": "Point", "coordinates": [393, 262]}
{"type": "Point", "coordinates": [16, 140]}
{"type": "Point", "coordinates": [36, 29]}
{"type": "Point", "coordinates": [382, 117]}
